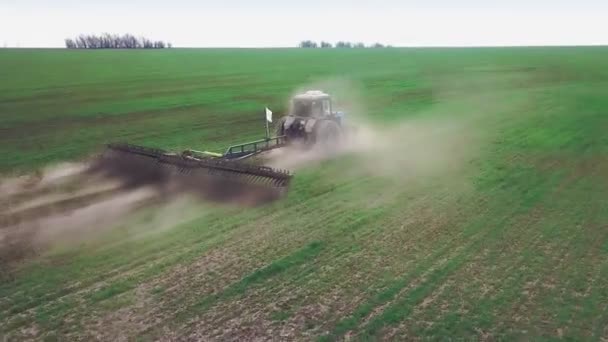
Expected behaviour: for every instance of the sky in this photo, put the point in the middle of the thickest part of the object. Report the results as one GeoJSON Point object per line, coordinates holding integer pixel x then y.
{"type": "Point", "coordinates": [276, 23]}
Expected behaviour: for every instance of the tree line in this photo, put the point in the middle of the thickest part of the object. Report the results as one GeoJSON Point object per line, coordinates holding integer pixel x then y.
{"type": "Point", "coordinates": [309, 44]}
{"type": "Point", "coordinates": [114, 41]}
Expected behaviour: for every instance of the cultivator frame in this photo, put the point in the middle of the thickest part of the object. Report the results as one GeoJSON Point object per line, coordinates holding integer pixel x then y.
{"type": "Point", "coordinates": [250, 149]}
{"type": "Point", "coordinates": [228, 166]}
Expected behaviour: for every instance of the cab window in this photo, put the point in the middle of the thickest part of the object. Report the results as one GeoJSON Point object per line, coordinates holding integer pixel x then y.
{"type": "Point", "coordinates": [316, 109]}
{"type": "Point", "coordinates": [326, 109]}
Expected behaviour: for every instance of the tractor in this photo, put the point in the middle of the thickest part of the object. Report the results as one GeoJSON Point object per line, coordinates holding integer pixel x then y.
{"type": "Point", "coordinates": [311, 120]}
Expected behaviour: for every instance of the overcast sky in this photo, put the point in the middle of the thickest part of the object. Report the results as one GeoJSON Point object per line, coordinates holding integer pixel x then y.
{"type": "Point", "coordinates": [267, 23]}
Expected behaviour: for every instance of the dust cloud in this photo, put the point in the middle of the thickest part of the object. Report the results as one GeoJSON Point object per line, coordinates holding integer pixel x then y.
{"type": "Point", "coordinates": [397, 152]}
{"type": "Point", "coordinates": [71, 203]}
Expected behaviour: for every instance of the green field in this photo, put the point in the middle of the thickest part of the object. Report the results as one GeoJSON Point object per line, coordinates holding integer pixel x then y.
{"type": "Point", "coordinates": [484, 217]}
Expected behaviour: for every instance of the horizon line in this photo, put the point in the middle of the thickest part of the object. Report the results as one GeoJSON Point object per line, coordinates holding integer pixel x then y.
{"type": "Point", "coordinates": [388, 46]}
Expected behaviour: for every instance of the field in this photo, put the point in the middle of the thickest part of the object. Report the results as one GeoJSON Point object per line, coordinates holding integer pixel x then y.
{"type": "Point", "coordinates": [480, 211]}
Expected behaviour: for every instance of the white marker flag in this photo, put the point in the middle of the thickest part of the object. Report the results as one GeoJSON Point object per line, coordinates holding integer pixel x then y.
{"type": "Point", "coordinates": [268, 115]}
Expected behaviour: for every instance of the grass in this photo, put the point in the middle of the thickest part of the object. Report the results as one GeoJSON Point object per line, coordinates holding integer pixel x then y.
{"type": "Point", "coordinates": [112, 290]}
{"type": "Point", "coordinates": [258, 276]}
{"type": "Point", "coordinates": [505, 241]}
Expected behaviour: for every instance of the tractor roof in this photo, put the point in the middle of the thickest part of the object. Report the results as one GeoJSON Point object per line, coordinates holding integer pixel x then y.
{"type": "Point", "coordinates": [312, 95]}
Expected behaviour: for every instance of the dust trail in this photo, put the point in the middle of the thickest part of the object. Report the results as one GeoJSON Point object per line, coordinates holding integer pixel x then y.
{"type": "Point", "coordinates": [76, 202]}
{"type": "Point", "coordinates": [83, 222]}
{"type": "Point", "coordinates": [57, 205]}
{"type": "Point", "coordinates": [50, 176]}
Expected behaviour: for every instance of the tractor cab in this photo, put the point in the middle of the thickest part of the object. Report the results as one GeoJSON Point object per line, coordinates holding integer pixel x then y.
{"type": "Point", "coordinates": [311, 104]}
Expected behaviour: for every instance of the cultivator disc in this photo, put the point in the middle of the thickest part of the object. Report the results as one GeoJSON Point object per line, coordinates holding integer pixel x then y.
{"type": "Point", "coordinates": [186, 164]}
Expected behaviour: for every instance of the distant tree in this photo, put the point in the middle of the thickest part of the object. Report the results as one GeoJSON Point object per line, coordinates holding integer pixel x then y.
{"type": "Point", "coordinates": [342, 44]}
{"type": "Point", "coordinates": [70, 44]}
{"type": "Point", "coordinates": [308, 44]}
{"type": "Point", "coordinates": [377, 46]}
{"type": "Point", "coordinates": [326, 45]}
{"type": "Point", "coordinates": [130, 42]}
{"type": "Point", "coordinates": [359, 45]}
{"type": "Point", "coordinates": [113, 41]}
{"type": "Point", "coordinates": [109, 41]}
{"type": "Point", "coordinates": [81, 42]}
{"type": "Point", "coordinates": [146, 43]}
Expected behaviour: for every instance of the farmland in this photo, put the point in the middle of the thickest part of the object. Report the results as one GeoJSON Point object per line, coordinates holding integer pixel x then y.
{"type": "Point", "coordinates": [483, 214]}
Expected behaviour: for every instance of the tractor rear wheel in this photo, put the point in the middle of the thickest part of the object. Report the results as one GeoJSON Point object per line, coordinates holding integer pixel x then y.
{"type": "Point", "coordinates": [327, 134]}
